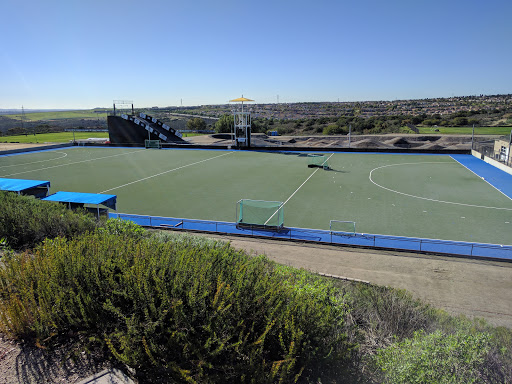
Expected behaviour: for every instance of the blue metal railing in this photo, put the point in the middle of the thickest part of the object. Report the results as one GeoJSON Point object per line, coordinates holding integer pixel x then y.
{"type": "Point", "coordinates": [324, 236]}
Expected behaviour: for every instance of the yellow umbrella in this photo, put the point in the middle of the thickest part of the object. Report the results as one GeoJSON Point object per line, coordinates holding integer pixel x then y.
{"type": "Point", "coordinates": [242, 99]}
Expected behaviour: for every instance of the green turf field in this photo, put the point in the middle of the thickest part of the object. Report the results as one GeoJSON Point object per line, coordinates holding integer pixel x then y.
{"type": "Point", "coordinates": [465, 130]}
{"type": "Point", "coordinates": [406, 195]}
{"type": "Point", "coordinates": [58, 137]}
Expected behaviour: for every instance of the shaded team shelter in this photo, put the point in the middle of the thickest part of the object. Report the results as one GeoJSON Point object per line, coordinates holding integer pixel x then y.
{"type": "Point", "coordinates": [89, 201]}
{"type": "Point", "coordinates": [36, 188]}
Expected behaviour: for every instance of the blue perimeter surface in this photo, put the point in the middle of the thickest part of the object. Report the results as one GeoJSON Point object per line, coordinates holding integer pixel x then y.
{"type": "Point", "coordinates": [83, 198]}
{"type": "Point", "coordinates": [499, 179]}
{"type": "Point", "coordinates": [18, 185]}
{"type": "Point", "coordinates": [494, 251]}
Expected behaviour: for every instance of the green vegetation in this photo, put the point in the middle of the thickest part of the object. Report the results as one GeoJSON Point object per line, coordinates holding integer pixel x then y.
{"type": "Point", "coordinates": [57, 137]}
{"type": "Point", "coordinates": [51, 121]}
{"type": "Point", "coordinates": [377, 125]}
{"type": "Point", "coordinates": [177, 311]}
{"type": "Point", "coordinates": [225, 124]}
{"type": "Point", "coordinates": [180, 308]}
{"type": "Point", "coordinates": [191, 134]}
{"type": "Point", "coordinates": [436, 358]}
{"type": "Point", "coordinates": [196, 124]}
{"type": "Point", "coordinates": [25, 221]}
{"type": "Point", "coordinates": [465, 130]}
{"type": "Point", "coordinates": [57, 115]}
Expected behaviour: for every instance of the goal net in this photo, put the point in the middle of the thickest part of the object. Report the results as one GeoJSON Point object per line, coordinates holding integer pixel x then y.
{"type": "Point", "coordinates": [260, 213]}
{"type": "Point", "coordinates": [316, 160]}
{"type": "Point", "coordinates": [342, 228]}
{"type": "Point", "coordinates": [149, 144]}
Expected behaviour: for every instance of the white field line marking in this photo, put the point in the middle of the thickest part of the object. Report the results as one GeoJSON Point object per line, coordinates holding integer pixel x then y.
{"type": "Point", "coordinates": [74, 162]}
{"type": "Point", "coordinates": [310, 176]}
{"type": "Point", "coordinates": [481, 178]}
{"type": "Point", "coordinates": [163, 173]}
{"type": "Point", "coordinates": [34, 162]}
{"type": "Point", "coordinates": [425, 198]}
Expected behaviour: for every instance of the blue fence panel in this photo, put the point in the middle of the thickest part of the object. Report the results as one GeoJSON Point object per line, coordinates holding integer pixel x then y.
{"type": "Point", "coordinates": [318, 235]}
{"type": "Point", "coordinates": [137, 219]}
{"type": "Point", "coordinates": [439, 246]}
{"type": "Point", "coordinates": [310, 235]}
{"type": "Point", "coordinates": [200, 225]}
{"type": "Point", "coordinates": [166, 222]}
{"type": "Point", "coordinates": [356, 239]}
{"type": "Point", "coordinates": [411, 244]}
{"type": "Point", "coordinates": [284, 234]}
{"type": "Point", "coordinates": [491, 250]}
{"type": "Point", "coordinates": [230, 228]}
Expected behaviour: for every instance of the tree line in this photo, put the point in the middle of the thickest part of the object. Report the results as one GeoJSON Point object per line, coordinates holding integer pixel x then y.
{"type": "Point", "coordinates": [341, 125]}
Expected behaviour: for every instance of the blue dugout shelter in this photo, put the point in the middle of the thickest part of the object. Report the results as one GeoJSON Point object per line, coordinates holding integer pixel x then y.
{"type": "Point", "coordinates": [37, 188]}
{"type": "Point", "coordinates": [85, 200]}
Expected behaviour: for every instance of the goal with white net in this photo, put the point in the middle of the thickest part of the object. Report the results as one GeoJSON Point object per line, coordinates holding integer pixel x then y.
{"type": "Point", "coordinates": [260, 213]}
{"type": "Point", "coordinates": [152, 144]}
{"type": "Point", "coordinates": [317, 160]}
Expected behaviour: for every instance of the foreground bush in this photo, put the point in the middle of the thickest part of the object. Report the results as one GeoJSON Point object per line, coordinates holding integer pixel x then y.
{"type": "Point", "coordinates": [25, 221]}
{"type": "Point", "coordinates": [177, 311]}
{"type": "Point", "coordinates": [437, 358]}
{"type": "Point", "coordinates": [384, 315]}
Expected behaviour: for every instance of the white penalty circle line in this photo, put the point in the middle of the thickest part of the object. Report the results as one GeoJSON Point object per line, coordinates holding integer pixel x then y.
{"type": "Point", "coordinates": [426, 198]}
{"type": "Point", "coordinates": [34, 162]}
{"type": "Point", "coordinates": [74, 162]}
{"type": "Point", "coordinates": [163, 173]}
{"type": "Point", "coordinates": [310, 176]}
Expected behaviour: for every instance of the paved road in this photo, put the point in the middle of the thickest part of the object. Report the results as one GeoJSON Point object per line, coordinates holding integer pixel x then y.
{"type": "Point", "coordinates": [475, 288]}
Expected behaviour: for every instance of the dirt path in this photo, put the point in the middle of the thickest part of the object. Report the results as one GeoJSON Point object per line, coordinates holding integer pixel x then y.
{"type": "Point", "coordinates": [475, 288]}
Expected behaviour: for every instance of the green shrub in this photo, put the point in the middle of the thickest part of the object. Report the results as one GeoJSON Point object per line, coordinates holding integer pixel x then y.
{"type": "Point", "coordinates": [184, 237]}
{"type": "Point", "coordinates": [384, 314]}
{"type": "Point", "coordinates": [177, 311]}
{"type": "Point", "coordinates": [334, 129]}
{"type": "Point", "coordinates": [123, 228]}
{"type": "Point", "coordinates": [436, 358]}
{"type": "Point", "coordinates": [25, 221]}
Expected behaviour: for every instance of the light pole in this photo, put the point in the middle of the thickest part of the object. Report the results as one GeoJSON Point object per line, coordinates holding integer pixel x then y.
{"type": "Point", "coordinates": [509, 142]}
{"type": "Point", "coordinates": [473, 137]}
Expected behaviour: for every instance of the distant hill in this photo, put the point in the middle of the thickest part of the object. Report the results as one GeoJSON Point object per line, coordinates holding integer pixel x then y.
{"type": "Point", "coordinates": [18, 111]}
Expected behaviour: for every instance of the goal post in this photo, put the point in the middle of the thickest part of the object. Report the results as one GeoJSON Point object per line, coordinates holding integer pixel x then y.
{"type": "Point", "coordinates": [318, 160]}
{"type": "Point", "coordinates": [259, 213]}
{"type": "Point", "coordinates": [342, 228]}
{"type": "Point", "coordinates": [152, 144]}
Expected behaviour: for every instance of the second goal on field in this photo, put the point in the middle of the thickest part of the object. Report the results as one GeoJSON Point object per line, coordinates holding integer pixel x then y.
{"type": "Point", "coordinates": [156, 144]}
{"type": "Point", "coordinates": [318, 160]}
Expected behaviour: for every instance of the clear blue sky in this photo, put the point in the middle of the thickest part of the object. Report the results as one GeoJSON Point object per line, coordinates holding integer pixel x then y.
{"type": "Point", "coordinates": [84, 54]}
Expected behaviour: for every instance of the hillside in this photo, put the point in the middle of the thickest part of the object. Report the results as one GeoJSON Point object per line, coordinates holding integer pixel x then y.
{"type": "Point", "coordinates": [170, 307]}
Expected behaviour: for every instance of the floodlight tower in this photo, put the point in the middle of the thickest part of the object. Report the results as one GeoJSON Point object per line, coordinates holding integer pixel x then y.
{"type": "Point", "coordinates": [242, 124]}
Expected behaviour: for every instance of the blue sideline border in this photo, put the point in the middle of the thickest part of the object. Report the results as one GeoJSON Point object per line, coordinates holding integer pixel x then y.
{"type": "Point", "coordinates": [499, 179]}
{"type": "Point", "coordinates": [492, 251]}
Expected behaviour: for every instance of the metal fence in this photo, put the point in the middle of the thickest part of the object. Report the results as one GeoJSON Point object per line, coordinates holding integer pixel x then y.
{"type": "Point", "coordinates": [487, 149]}
{"type": "Point", "coordinates": [323, 236]}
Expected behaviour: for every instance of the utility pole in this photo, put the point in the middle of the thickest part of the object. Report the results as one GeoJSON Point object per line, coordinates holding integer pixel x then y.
{"type": "Point", "coordinates": [22, 119]}
{"type": "Point", "coordinates": [473, 137]}
{"type": "Point", "coordinates": [349, 132]}
{"type": "Point", "coordinates": [509, 143]}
